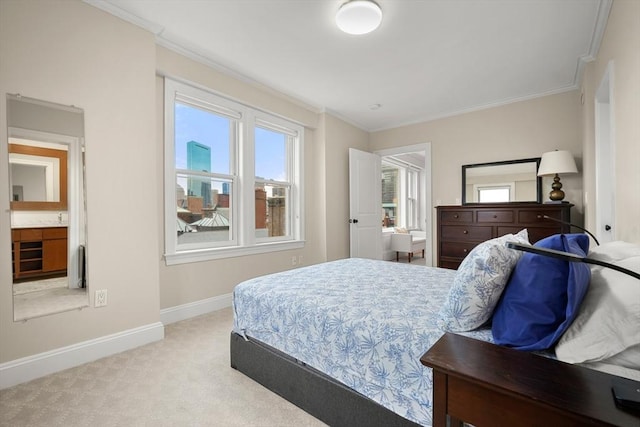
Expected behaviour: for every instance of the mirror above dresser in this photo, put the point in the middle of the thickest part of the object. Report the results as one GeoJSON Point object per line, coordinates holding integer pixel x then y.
{"type": "Point", "coordinates": [501, 182]}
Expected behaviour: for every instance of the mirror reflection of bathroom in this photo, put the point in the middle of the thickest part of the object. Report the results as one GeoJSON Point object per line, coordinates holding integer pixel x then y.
{"type": "Point", "coordinates": [48, 215]}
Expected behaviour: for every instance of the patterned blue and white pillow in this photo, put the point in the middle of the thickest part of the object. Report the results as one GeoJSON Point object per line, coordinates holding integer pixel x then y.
{"type": "Point", "coordinates": [479, 282]}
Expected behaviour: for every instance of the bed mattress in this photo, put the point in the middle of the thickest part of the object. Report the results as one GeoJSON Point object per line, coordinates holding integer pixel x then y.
{"type": "Point", "coordinates": [365, 323]}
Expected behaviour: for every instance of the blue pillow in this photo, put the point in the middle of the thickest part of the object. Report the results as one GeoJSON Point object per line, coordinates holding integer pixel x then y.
{"type": "Point", "coordinates": [543, 295]}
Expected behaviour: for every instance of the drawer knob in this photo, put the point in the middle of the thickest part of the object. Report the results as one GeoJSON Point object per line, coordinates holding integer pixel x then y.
{"type": "Point", "coordinates": [539, 216]}
{"type": "Point", "coordinates": [465, 232]}
{"type": "Point", "coordinates": [455, 216]}
{"type": "Point", "coordinates": [495, 216]}
{"type": "Point", "coordinates": [464, 250]}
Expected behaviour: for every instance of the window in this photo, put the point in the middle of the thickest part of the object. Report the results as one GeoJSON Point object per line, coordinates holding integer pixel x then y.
{"type": "Point", "coordinates": [494, 193]}
{"type": "Point", "coordinates": [232, 178]}
{"type": "Point", "coordinates": [400, 195]}
{"type": "Point", "coordinates": [390, 194]}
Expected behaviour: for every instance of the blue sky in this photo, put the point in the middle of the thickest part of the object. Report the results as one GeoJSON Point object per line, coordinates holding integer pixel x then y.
{"type": "Point", "coordinates": [193, 124]}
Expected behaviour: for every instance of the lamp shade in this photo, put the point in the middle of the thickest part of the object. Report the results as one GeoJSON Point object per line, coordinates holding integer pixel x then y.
{"type": "Point", "coordinates": [557, 162]}
{"type": "Point", "coordinates": [359, 17]}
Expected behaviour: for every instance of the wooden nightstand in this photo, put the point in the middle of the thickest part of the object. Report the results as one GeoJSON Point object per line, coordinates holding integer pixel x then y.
{"type": "Point", "coordinates": [488, 385]}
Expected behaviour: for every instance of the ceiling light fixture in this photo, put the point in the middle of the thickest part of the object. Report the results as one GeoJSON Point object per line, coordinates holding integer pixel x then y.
{"type": "Point", "coordinates": [359, 17]}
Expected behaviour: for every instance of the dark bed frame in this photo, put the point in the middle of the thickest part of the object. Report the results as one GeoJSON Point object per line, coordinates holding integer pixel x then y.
{"type": "Point", "coordinates": [316, 393]}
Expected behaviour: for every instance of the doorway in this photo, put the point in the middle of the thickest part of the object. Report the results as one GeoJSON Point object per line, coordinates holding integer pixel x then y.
{"type": "Point", "coordinates": [604, 158]}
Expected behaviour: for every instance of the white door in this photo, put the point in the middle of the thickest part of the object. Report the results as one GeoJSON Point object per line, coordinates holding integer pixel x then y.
{"type": "Point", "coordinates": [605, 160]}
{"type": "Point", "coordinates": [365, 205]}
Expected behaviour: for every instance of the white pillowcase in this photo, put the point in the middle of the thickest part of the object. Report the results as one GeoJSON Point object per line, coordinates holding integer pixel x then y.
{"type": "Point", "coordinates": [609, 319]}
{"type": "Point", "coordinates": [614, 251]}
{"type": "Point", "coordinates": [479, 282]}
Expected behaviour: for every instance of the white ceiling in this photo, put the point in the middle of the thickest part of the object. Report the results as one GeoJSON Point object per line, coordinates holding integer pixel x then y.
{"type": "Point", "coordinates": [428, 59]}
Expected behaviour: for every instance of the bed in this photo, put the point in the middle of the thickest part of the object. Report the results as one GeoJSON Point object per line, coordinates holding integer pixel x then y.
{"type": "Point", "coordinates": [343, 339]}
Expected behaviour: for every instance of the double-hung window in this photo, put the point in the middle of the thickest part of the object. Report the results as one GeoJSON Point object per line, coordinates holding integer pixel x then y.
{"type": "Point", "coordinates": [232, 178]}
{"type": "Point", "coordinates": [400, 195]}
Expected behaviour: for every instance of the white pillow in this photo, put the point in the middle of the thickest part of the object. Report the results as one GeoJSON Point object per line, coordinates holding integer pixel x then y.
{"type": "Point", "coordinates": [479, 282]}
{"type": "Point", "coordinates": [614, 251]}
{"type": "Point", "coordinates": [609, 318]}
{"type": "Point", "coordinates": [629, 358]}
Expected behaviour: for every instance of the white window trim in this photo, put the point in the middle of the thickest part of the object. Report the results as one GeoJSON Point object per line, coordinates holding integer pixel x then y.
{"type": "Point", "coordinates": [243, 216]}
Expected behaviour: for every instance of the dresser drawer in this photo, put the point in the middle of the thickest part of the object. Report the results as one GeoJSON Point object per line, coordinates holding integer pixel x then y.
{"type": "Point", "coordinates": [537, 216]}
{"type": "Point", "coordinates": [509, 230]}
{"type": "Point", "coordinates": [495, 216]}
{"type": "Point", "coordinates": [31, 234]}
{"type": "Point", "coordinates": [54, 233]}
{"type": "Point", "coordinates": [450, 264]}
{"type": "Point", "coordinates": [461, 228]}
{"type": "Point", "coordinates": [456, 216]}
{"type": "Point", "coordinates": [539, 233]}
{"type": "Point", "coordinates": [464, 233]}
{"type": "Point", "coordinates": [456, 249]}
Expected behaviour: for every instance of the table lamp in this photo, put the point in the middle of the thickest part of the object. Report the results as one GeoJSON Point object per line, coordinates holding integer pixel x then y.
{"type": "Point", "coordinates": [555, 163]}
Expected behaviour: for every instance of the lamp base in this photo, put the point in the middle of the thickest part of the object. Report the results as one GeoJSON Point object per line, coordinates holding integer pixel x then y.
{"type": "Point", "coordinates": [556, 202]}
{"type": "Point", "coordinates": [556, 194]}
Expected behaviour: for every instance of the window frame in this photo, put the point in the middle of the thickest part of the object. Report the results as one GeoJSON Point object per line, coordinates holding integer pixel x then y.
{"type": "Point", "coordinates": [409, 193]}
{"type": "Point", "coordinates": [243, 240]}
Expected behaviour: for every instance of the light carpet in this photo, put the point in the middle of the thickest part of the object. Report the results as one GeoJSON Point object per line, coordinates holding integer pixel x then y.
{"type": "Point", "coordinates": [39, 285]}
{"type": "Point", "coordinates": [183, 380]}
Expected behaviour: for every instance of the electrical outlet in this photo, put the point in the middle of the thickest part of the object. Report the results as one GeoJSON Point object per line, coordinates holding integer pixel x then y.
{"type": "Point", "coordinates": [101, 298]}
{"type": "Point", "coordinates": [294, 260]}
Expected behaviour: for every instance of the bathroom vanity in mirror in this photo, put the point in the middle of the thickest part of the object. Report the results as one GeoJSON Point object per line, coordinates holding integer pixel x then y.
{"type": "Point", "coordinates": [39, 252]}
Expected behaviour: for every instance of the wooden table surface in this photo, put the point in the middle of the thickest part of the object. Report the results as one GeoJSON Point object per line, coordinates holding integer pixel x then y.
{"type": "Point", "coordinates": [489, 385]}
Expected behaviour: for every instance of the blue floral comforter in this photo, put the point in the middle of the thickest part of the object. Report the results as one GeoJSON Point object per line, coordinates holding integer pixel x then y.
{"type": "Point", "coordinates": [363, 322]}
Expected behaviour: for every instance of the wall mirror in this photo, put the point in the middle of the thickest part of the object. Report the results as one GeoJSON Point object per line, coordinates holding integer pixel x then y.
{"type": "Point", "coordinates": [48, 212]}
{"type": "Point", "coordinates": [502, 182]}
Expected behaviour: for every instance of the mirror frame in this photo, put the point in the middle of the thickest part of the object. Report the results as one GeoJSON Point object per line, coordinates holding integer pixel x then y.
{"type": "Point", "coordinates": [535, 160]}
{"type": "Point", "coordinates": [43, 152]}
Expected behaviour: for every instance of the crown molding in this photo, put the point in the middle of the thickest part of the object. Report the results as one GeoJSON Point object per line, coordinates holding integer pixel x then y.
{"type": "Point", "coordinates": [126, 16]}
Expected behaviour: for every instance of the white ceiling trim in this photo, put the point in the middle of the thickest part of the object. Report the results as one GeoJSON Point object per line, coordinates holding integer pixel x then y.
{"type": "Point", "coordinates": [183, 48]}
{"type": "Point", "coordinates": [129, 17]}
{"type": "Point", "coordinates": [192, 54]}
{"type": "Point", "coordinates": [480, 107]}
{"type": "Point", "coordinates": [604, 8]}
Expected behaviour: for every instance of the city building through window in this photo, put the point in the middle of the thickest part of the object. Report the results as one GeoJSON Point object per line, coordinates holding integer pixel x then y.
{"type": "Point", "coordinates": [232, 178]}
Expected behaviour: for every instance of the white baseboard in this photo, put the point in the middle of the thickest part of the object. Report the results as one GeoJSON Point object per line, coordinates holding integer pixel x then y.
{"type": "Point", "coordinates": [36, 366]}
{"type": "Point", "coordinates": [193, 309]}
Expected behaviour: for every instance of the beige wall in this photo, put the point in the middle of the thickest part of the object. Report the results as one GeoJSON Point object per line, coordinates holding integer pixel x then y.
{"type": "Point", "coordinates": [621, 45]}
{"type": "Point", "coordinates": [72, 53]}
{"type": "Point", "coordinates": [339, 137]}
{"type": "Point", "coordinates": [515, 131]}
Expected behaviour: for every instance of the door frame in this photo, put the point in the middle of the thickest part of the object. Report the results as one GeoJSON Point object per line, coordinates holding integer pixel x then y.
{"type": "Point", "coordinates": [426, 204]}
{"type": "Point", "coordinates": [605, 194]}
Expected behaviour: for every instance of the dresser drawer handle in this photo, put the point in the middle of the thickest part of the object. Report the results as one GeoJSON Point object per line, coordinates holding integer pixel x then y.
{"type": "Point", "coordinates": [539, 217]}
{"type": "Point", "coordinates": [456, 216]}
{"type": "Point", "coordinates": [465, 251]}
{"type": "Point", "coordinates": [495, 216]}
{"type": "Point", "coordinates": [465, 232]}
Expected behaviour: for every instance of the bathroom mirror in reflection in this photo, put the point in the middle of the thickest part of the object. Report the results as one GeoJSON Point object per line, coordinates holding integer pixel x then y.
{"type": "Point", "coordinates": [48, 215]}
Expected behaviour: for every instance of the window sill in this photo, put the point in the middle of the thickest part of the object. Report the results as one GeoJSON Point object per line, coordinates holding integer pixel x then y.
{"type": "Point", "coordinates": [221, 253]}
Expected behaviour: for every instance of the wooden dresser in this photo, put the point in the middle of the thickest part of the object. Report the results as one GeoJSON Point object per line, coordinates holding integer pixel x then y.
{"type": "Point", "coordinates": [461, 228]}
